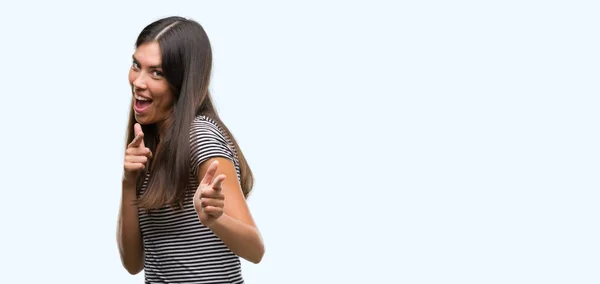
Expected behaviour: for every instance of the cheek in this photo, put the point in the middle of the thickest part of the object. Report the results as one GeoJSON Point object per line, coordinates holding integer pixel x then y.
{"type": "Point", "coordinates": [163, 93]}
{"type": "Point", "coordinates": [131, 76]}
{"type": "Point", "coordinates": [169, 98]}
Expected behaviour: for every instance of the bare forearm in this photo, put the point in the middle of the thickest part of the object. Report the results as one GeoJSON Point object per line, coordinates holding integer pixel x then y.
{"type": "Point", "coordinates": [129, 236]}
{"type": "Point", "coordinates": [242, 239]}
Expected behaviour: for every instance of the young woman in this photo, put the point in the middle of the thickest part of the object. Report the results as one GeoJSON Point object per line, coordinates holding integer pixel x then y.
{"type": "Point", "coordinates": [183, 215]}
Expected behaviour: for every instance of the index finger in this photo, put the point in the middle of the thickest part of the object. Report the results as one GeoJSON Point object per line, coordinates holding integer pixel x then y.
{"type": "Point", "coordinates": [210, 173]}
{"type": "Point", "coordinates": [137, 128]}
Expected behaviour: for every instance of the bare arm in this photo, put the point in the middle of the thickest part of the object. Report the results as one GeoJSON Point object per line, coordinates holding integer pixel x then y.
{"type": "Point", "coordinates": [241, 238]}
{"type": "Point", "coordinates": [235, 227]}
{"type": "Point", "coordinates": [129, 237]}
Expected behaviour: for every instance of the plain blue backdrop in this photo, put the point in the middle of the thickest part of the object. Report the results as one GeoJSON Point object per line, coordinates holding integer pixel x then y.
{"type": "Point", "coordinates": [392, 142]}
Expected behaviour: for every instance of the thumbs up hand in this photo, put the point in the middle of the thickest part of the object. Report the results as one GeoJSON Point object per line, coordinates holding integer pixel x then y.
{"type": "Point", "coordinates": [136, 155]}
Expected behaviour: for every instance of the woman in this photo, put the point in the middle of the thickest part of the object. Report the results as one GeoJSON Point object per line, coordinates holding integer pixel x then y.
{"type": "Point", "coordinates": [183, 215]}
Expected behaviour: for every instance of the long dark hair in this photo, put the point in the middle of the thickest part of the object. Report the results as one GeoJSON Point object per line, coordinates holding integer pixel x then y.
{"type": "Point", "coordinates": [186, 63]}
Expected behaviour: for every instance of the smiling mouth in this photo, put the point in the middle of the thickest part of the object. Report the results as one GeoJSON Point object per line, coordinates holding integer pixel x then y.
{"type": "Point", "coordinates": [141, 103]}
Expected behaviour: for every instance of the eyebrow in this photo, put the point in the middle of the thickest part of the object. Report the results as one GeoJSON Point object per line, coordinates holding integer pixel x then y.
{"type": "Point", "coordinates": [153, 66]}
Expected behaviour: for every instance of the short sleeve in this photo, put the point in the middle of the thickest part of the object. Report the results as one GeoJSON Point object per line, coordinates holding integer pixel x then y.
{"type": "Point", "coordinates": [207, 141]}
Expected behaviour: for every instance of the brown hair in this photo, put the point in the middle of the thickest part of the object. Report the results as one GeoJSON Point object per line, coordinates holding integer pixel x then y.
{"type": "Point", "coordinates": [186, 63]}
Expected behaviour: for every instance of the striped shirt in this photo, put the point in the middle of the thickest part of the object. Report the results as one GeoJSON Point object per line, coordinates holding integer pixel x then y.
{"type": "Point", "coordinates": [178, 248]}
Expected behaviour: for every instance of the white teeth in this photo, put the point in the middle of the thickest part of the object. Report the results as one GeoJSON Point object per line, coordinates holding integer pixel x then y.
{"type": "Point", "coordinates": [140, 98]}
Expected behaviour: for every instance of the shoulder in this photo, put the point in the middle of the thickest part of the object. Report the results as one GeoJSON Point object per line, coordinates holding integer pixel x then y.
{"type": "Point", "coordinates": [208, 140]}
{"type": "Point", "coordinates": [202, 122]}
{"type": "Point", "coordinates": [205, 128]}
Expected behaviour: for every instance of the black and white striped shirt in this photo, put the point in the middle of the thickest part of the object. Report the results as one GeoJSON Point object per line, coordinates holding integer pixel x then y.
{"type": "Point", "coordinates": [178, 248]}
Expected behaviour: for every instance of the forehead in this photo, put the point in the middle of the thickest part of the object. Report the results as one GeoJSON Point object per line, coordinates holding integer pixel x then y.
{"type": "Point", "coordinates": [148, 53]}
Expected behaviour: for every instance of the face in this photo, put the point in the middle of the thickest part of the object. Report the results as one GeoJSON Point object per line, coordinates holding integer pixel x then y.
{"type": "Point", "coordinates": [152, 96]}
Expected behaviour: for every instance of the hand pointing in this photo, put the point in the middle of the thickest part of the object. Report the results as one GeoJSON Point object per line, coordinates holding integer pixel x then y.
{"type": "Point", "coordinates": [209, 199]}
{"type": "Point", "coordinates": [136, 155]}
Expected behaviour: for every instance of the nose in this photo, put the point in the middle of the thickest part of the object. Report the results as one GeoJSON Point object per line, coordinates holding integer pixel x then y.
{"type": "Point", "coordinates": [140, 81]}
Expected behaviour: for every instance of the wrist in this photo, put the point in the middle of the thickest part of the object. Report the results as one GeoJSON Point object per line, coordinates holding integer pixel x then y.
{"type": "Point", "coordinates": [129, 194]}
{"type": "Point", "coordinates": [128, 178]}
{"type": "Point", "coordinates": [128, 184]}
{"type": "Point", "coordinates": [217, 223]}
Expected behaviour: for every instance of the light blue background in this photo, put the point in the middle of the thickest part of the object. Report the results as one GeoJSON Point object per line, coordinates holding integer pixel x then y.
{"type": "Point", "coordinates": [392, 142]}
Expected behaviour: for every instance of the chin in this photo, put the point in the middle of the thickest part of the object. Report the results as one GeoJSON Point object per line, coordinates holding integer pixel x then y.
{"type": "Point", "coordinates": [142, 119]}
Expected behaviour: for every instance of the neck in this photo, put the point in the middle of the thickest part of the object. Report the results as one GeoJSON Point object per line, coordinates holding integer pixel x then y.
{"type": "Point", "coordinates": [161, 128]}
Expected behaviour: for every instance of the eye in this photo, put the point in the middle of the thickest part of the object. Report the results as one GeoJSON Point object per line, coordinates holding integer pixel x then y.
{"type": "Point", "coordinates": [157, 73]}
{"type": "Point", "coordinates": [135, 65]}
